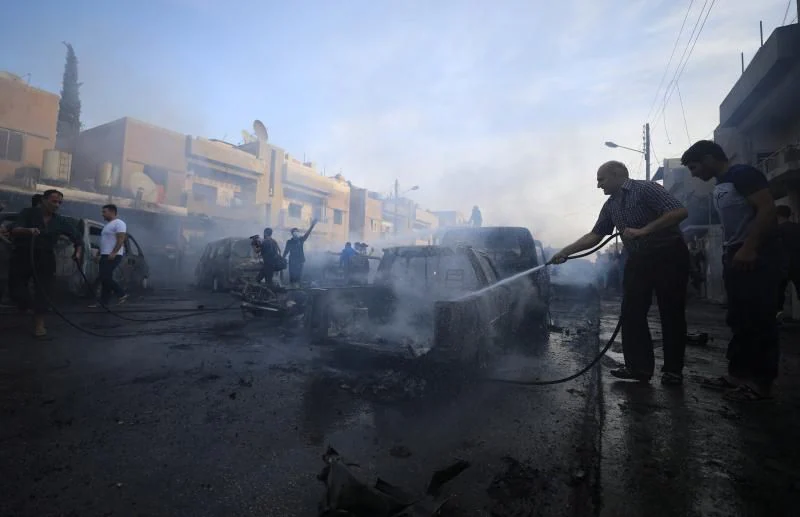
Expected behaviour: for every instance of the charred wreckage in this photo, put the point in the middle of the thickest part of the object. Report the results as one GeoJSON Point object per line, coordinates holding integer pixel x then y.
{"type": "Point", "coordinates": [451, 302]}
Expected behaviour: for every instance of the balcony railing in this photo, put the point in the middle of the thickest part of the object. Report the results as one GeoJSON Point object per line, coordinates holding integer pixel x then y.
{"type": "Point", "coordinates": [198, 206]}
{"type": "Point", "coordinates": [781, 161]}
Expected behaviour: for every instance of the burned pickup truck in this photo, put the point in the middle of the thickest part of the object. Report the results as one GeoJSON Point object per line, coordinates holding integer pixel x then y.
{"type": "Point", "coordinates": [427, 299]}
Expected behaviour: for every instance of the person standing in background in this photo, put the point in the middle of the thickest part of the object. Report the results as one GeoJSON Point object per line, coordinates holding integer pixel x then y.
{"type": "Point", "coordinates": [112, 249]}
{"type": "Point", "coordinates": [789, 233]}
{"type": "Point", "coordinates": [297, 256]}
{"type": "Point", "coordinates": [271, 255]}
{"type": "Point", "coordinates": [476, 219]}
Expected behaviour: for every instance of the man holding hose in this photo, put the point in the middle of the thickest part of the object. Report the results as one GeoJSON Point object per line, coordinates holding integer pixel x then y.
{"type": "Point", "coordinates": [647, 217]}
{"type": "Point", "coordinates": [39, 227]}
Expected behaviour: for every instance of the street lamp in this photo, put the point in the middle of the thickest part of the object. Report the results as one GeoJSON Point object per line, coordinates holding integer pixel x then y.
{"type": "Point", "coordinates": [644, 151]}
{"type": "Point", "coordinates": [397, 200]}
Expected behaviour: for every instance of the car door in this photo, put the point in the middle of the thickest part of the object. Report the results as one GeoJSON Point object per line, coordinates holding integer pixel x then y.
{"type": "Point", "coordinates": [136, 269]}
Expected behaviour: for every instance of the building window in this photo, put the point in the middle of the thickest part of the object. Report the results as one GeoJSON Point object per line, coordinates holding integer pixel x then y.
{"type": "Point", "coordinates": [338, 217]}
{"type": "Point", "coordinates": [10, 145]}
{"type": "Point", "coordinates": [295, 210]}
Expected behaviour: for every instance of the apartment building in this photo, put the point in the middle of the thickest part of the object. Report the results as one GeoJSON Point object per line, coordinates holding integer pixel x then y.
{"type": "Point", "coordinates": [133, 159]}
{"type": "Point", "coordinates": [450, 218]}
{"type": "Point", "coordinates": [366, 212]}
{"type": "Point", "coordinates": [308, 195]}
{"type": "Point", "coordinates": [28, 118]}
{"type": "Point", "coordinates": [759, 120]}
{"type": "Point", "coordinates": [760, 117]}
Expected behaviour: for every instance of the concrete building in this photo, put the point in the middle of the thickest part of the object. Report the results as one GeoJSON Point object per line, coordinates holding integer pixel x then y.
{"type": "Point", "coordinates": [450, 218]}
{"type": "Point", "coordinates": [308, 195]}
{"type": "Point", "coordinates": [132, 159]}
{"type": "Point", "coordinates": [759, 120]}
{"type": "Point", "coordinates": [366, 212]}
{"type": "Point", "coordinates": [28, 118]}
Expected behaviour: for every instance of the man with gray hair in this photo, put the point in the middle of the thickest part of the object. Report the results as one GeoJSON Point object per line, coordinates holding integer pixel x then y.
{"type": "Point", "coordinates": [647, 216]}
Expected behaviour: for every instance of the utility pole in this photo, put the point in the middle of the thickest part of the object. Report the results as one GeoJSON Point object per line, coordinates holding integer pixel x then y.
{"type": "Point", "coordinates": [396, 201]}
{"type": "Point", "coordinates": [647, 151]}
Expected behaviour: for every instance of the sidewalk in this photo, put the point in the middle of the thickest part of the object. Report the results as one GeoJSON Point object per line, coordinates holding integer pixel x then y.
{"type": "Point", "coordinates": [669, 451]}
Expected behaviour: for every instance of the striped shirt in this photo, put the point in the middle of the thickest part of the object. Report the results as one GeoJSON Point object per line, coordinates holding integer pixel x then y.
{"type": "Point", "coordinates": [637, 204]}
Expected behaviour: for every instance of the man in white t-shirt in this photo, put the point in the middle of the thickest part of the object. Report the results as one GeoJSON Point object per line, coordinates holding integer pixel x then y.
{"type": "Point", "coordinates": [112, 249]}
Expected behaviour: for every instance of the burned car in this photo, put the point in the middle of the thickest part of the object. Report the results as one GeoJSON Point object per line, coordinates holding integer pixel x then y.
{"type": "Point", "coordinates": [513, 250]}
{"type": "Point", "coordinates": [227, 264]}
{"type": "Point", "coordinates": [132, 274]}
{"type": "Point", "coordinates": [416, 289]}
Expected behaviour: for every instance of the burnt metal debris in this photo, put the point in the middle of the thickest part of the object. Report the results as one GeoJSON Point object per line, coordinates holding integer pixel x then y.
{"type": "Point", "coordinates": [347, 496]}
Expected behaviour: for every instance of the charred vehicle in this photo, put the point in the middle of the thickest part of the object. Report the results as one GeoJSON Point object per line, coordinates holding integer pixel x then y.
{"type": "Point", "coordinates": [228, 264]}
{"type": "Point", "coordinates": [425, 299]}
{"type": "Point", "coordinates": [513, 251]}
{"type": "Point", "coordinates": [132, 274]}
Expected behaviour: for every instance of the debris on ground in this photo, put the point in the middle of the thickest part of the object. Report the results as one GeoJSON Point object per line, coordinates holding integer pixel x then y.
{"type": "Point", "coordinates": [389, 386]}
{"type": "Point", "coordinates": [347, 496]}
{"type": "Point", "coordinates": [515, 491]}
{"type": "Point", "coordinates": [400, 451]}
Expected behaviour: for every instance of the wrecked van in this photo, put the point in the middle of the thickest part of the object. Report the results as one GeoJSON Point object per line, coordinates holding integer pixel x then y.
{"type": "Point", "coordinates": [227, 264]}
{"type": "Point", "coordinates": [132, 274]}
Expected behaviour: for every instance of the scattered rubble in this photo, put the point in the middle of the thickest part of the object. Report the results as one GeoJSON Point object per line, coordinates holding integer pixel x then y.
{"type": "Point", "coordinates": [389, 386]}
{"type": "Point", "coordinates": [347, 496]}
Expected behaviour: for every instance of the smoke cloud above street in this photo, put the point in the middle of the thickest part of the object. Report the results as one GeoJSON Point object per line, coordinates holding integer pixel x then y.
{"type": "Point", "coordinates": [504, 106]}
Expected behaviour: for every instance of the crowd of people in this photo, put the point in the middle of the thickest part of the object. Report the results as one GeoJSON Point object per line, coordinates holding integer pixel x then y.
{"type": "Point", "coordinates": [352, 259]}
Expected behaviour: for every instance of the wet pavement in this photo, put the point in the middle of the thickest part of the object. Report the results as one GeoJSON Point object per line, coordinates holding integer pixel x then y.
{"type": "Point", "coordinates": [221, 418]}
{"type": "Point", "coordinates": [211, 416]}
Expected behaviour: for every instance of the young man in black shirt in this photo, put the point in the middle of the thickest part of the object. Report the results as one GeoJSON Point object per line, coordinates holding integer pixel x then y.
{"type": "Point", "coordinates": [751, 264]}
{"type": "Point", "coordinates": [39, 227]}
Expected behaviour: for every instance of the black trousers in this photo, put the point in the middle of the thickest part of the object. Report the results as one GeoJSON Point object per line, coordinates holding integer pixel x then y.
{"type": "Point", "coordinates": [106, 275]}
{"type": "Point", "coordinates": [21, 272]}
{"type": "Point", "coordinates": [664, 272]}
{"type": "Point", "coordinates": [753, 352]}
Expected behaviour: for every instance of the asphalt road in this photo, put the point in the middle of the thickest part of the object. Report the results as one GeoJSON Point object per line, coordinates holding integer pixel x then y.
{"type": "Point", "coordinates": [212, 415]}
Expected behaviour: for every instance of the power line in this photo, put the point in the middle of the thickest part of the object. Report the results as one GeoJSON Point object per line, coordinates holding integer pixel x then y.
{"type": "Point", "coordinates": [684, 58]}
{"type": "Point", "coordinates": [669, 61]}
{"type": "Point", "coordinates": [786, 13]}
{"type": "Point", "coordinates": [683, 111]}
{"type": "Point", "coordinates": [682, 68]}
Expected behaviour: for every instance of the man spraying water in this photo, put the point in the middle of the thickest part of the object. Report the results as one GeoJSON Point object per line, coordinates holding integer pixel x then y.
{"type": "Point", "coordinates": [647, 217]}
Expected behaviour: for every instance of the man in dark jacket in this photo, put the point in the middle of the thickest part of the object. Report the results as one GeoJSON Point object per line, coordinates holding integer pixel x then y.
{"type": "Point", "coordinates": [297, 256]}
{"type": "Point", "coordinates": [789, 233]}
{"type": "Point", "coordinates": [271, 254]}
{"type": "Point", "coordinates": [40, 228]}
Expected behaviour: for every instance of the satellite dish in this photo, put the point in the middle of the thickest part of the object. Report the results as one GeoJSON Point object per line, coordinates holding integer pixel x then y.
{"type": "Point", "coordinates": [260, 130]}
